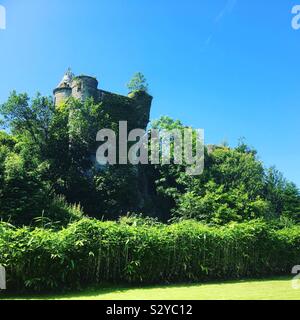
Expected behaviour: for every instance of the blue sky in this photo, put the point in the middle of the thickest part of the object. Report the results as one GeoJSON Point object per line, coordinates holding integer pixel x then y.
{"type": "Point", "coordinates": [230, 67]}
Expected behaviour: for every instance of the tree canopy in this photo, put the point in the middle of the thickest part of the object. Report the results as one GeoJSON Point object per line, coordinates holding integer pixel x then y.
{"type": "Point", "coordinates": [48, 173]}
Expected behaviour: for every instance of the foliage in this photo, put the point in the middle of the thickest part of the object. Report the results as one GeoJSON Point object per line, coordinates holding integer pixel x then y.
{"type": "Point", "coordinates": [49, 152]}
{"type": "Point", "coordinates": [22, 191]}
{"type": "Point", "coordinates": [92, 252]}
{"type": "Point", "coordinates": [60, 212]}
{"type": "Point", "coordinates": [24, 116]}
{"type": "Point", "coordinates": [138, 220]}
{"type": "Point", "coordinates": [25, 194]}
{"type": "Point", "coordinates": [138, 83]}
{"type": "Point", "coordinates": [284, 196]}
{"type": "Point", "coordinates": [234, 187]}
{"type": "Point", "coordinates": [219, 206]}
{"type": "Point", "coordinates": [116, 187]}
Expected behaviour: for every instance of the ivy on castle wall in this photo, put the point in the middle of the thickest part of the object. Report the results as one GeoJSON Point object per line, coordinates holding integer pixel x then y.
{"type": "Point", "coordinates": [135, 110]}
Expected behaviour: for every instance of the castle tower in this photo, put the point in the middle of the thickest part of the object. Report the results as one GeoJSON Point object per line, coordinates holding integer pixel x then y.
{"type": "Point", "coordinates": [63, 91]}
{"type": "Point", "coordinates": [84, 87]}
{"type": "Point", "coordinates": [135, 108]}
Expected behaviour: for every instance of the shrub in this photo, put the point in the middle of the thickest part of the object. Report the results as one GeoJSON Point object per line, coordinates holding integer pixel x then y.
{"type": "Point", "coordinates": [91, 252]}
{"type": "Point", "coordinates": [62, 212]}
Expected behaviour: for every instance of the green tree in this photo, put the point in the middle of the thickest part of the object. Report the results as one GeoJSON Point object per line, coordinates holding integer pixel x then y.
{"type": "Point", "coordinates": [22, 115]}
{"type": "Point", "coordinates": [284, 196]}
{"type": "Point", "coordinates": [219, 206]}
{"type": "Point", "coordinates": [138, 83]}
{"type": "Point", "coordinates": [231, 187]}
{"type": "Point", "coordinates": [48, 172]}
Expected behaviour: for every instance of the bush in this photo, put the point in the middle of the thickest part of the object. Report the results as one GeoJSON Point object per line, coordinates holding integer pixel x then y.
{"type": "Point", "coordinates": [90, 252]}
{"type": "Point", "coordinates": [60, 212]}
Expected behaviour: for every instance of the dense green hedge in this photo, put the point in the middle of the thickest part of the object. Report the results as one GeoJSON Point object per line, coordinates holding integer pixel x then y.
{"type": "Point", "coordinates": [91, 252]}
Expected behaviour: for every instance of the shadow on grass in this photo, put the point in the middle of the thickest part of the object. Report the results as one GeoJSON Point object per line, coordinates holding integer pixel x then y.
{"type": "Point", "coordinates": [109, 289]}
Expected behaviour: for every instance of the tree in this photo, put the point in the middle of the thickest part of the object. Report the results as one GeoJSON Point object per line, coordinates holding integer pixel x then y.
{"type": "Point", "coordinates": [47, 168]}
{"type": "Point", "coordinates": [231, 187]}
{"type": "Point", "coordinates": [219, 206]}
{"type": "Point", "coordinates": [138, 83]}
{"type": "Point", "coordinates": [284, 196]}
{"type": "Point", "coordinates": [22, 115]}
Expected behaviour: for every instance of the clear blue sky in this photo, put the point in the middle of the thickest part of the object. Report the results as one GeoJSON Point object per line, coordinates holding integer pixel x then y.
{"type": "Point", "coordinates": [230, 67]}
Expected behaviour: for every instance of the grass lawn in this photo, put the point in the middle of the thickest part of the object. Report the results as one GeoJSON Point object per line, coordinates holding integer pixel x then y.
{"type": "Point", "coordinates": [273, 289]}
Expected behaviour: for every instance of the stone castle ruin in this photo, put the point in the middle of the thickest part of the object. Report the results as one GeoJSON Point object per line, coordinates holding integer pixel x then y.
{"type": "Point", "coordinates": [134, 108]}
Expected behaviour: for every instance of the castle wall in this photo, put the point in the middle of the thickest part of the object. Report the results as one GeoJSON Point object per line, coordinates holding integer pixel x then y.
{"type": "Point", "coordinates": [61, 95]}
{"type": "Point", "coordinates": [135, 109]}
{"type": "Point", "coordinates": [84, 87]}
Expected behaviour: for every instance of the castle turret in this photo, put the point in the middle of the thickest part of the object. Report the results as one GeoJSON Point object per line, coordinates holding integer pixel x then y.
{"type": "Point", "coordinates": [63, 91]}
{"type": "Point", "coordinates": [84, 87]}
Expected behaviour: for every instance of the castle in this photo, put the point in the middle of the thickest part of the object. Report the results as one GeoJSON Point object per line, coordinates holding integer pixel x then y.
{"type": "Point", "coordinates": [135, 108]}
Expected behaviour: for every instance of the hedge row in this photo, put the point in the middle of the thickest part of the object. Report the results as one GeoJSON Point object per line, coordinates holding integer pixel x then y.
{"type": "Point", "coordinates": [91, 252]}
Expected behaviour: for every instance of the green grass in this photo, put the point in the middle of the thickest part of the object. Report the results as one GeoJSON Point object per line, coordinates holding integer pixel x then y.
{"type": "Point", "coordinates": [274, 289]}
